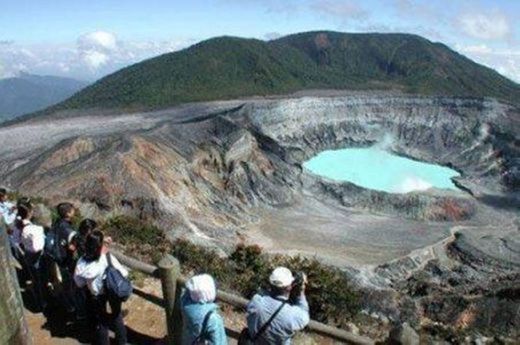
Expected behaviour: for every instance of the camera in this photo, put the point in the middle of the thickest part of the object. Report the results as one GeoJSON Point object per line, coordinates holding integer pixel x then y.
{"type": "Point", "coordinates": [297, 286]}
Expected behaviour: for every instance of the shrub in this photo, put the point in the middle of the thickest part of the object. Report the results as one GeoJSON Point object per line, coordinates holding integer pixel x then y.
{"type": "Point", "coordinates": [252, 269]}
{"type": "Point", "coordinates": [137, 236]}
{"type": "Point", "coordinates": [196, 260]}
{"type": "Point", "coordinates": [331, 297]}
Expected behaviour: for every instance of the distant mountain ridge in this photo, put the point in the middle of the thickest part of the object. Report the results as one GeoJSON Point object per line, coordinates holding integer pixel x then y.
{"type": "Point", "coordinates": [27, 93]}
{"type": "Point", "coordinates": [231, 67]}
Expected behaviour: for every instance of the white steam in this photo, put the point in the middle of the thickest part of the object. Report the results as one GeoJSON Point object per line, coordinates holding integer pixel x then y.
{"type": "Point", "coordinates": [410, 184]}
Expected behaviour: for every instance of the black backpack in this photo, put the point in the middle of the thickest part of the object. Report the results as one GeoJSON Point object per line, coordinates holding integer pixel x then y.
{"type": "Point", "coordinates": [53, 248]}
{"type": "Point", "coordinates": [116, 285]}
{"type": "Point", "coordinates": [245, 337]}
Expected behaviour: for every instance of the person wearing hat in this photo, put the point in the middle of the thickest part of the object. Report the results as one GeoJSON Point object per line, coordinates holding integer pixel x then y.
{"type": "Point", "coordinates": [202, 324]}
{"type": "Point", "coordinates": [271, 317]}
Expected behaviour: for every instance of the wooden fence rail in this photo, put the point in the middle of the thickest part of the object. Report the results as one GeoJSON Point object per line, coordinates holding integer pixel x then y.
{"type": "Point", "coordinates": [168, 271]}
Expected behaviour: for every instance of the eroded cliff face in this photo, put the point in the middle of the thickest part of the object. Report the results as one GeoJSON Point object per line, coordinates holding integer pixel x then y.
{"type": "Point", "coordinates": [226, 172]}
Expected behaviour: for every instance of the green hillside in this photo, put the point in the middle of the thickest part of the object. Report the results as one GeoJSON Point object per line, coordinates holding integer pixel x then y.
{"type": "Point", "coordinates": [229, 67]}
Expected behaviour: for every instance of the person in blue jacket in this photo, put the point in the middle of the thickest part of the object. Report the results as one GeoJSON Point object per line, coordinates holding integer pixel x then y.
{"type": "Point", "coordinates": [202, 323]}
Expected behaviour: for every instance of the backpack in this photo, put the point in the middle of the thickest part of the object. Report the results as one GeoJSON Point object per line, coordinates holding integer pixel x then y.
{"type": "Point", "coordinates": [200, 340]}
{"type": "Point", "coordinates": [116, 285]}
{"type": "Point", "coordinates": [245, 337]}
{"type": "Point", "coordinates": [53, 249]}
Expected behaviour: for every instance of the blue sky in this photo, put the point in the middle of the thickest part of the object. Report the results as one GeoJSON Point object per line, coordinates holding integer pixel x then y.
{"type": "Point", "coordinates": [88, 39]}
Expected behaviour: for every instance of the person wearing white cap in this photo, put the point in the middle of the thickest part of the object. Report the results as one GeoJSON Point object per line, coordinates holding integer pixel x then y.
{"type": "Point", "coordinates": [271, 317]}
{"type": "Point", "coordinates": [202, 324]}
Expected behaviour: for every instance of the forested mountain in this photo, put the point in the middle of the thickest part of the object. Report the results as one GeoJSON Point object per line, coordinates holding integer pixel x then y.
{"type": "Point", "coordinates": [230, 67]}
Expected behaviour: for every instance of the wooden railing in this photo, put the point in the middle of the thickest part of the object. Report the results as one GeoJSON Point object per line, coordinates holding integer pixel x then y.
{"type": "Point", "coordinates": [168, 271]}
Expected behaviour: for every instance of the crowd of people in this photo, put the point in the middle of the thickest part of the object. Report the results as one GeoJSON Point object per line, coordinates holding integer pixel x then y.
{"type": "Point", "coordinates": [73, 266]}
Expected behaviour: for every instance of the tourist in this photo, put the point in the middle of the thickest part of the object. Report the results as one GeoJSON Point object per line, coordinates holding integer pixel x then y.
{"type": "Point", "coordinates": [86, 227]}
{"type": "Point", "coordinates": [15, 240]}
{"type": "Point", "coordinates": [273, 318]}
{"type": "Point", "coordinates": [7, 209]}
{"type": "Point", "coordinates": [90, 273]}
{"type": "Point", "coordinates": [202, 324]}
{"type": "Point", "coordinates": [8, 216]}
{"type": "Point", "coordinates": [32, 240]}
{"type": "Point", "coordinates": [59, 250]}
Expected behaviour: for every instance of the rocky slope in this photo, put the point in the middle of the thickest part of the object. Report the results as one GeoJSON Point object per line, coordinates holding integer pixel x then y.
{"type": "Point", "coordinates": [224, 172]}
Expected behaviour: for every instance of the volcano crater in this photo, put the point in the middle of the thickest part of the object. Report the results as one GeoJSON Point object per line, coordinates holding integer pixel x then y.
{"type": "Point", "coordinates": [230, 171]}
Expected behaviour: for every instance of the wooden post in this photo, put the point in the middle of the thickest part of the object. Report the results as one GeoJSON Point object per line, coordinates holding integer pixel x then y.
{"type": "Point", "coordinates": [169, 272]}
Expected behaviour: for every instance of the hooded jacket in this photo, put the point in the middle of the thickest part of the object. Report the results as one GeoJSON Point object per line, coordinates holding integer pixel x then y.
{"type": "Point", "coordinates": [193, 314]}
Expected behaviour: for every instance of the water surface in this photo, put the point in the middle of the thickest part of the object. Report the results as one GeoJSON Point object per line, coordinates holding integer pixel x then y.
{"type": "Point", "coordinates": [377, 169]}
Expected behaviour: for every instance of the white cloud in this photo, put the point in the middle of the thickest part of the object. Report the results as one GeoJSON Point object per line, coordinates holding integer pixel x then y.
{"type": "Point", "coordinates": [93, 55]}
{"type": "Point", "coordinates": [95, 59]}
{"type": "Point", "coordinates": [97, 40]}
{"type": "Point", "coordinates": [504, 61]}
{"type": "Point", "coordinates": [488, 26]}
{"type": "Point", "coordinates": [96, 48]}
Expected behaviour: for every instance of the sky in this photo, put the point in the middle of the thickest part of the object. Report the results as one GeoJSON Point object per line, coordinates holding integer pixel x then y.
{"type": "Point", "coordinates": [89, 39]}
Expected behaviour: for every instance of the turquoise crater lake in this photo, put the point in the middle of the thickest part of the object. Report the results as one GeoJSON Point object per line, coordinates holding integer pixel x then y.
{"type": "Point", "coordinates": [374, 168]}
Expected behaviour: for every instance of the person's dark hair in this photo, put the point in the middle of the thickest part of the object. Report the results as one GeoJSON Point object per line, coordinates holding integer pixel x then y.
{"type": "Point", "coordinates": [86, 226]}
{"type": "Point", "coordinates": [3, 192]}
{"type": "Point", "coordinates": [24, 211]}
{"type": "Point", "coordinates": [23, 200]}
{"type": "Point", "coordinates": [93, 246]}
{"type": "Point", "coordinates": [64, 209]}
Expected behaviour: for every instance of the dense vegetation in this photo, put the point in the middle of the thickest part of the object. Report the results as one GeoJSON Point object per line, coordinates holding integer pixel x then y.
{"type": "Point", "coordinates": [228, 67]}
{"type": "Point", "coordinates": [330, 293]}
